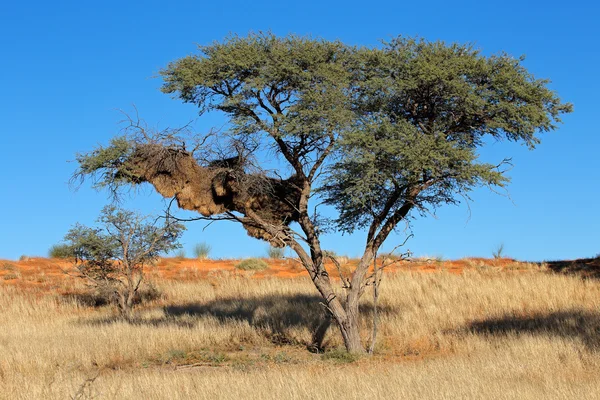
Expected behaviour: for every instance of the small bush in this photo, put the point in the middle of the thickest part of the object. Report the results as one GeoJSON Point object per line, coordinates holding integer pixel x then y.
{"type": "Point", "coordinates": [276, 253]}
{"type": "Point", "coordinates": [499, 252]}
{"type": "Point", "coordinates": [24, 258]}
{"type": "Point", "coordinates": [201, 250]}
{"type": "Point", "coordinates": [9, 267]}
{"type": "Point", "coordinates": [60, 251]}
{"type": "Point", "coordinates": [11, 275]}
{"type": "Point", "coordinates": [252, 264]}
{"type": "Point", "coordinates": [340, 356]}
{"type": "Point", "coordinates": [180, 254]}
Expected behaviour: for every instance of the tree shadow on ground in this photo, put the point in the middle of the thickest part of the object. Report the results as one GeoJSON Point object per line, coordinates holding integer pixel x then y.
{"type": "Point", "coordinates": [584, 267]}
{"type": "Point", "coordinates": [274, 316]}
{"type": "Point", "coordinates": [572, 324]}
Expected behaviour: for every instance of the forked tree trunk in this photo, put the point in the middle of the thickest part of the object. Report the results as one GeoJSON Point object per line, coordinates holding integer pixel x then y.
{"type": "Point", "coordinates": [349, 329]}
{"type": "Point", "coordinates": [349, 322]}
{"type": "Point", "coordinates": [126, 304]}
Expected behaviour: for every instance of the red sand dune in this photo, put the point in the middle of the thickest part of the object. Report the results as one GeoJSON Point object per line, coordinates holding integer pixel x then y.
{"type": "Point", "coordinates": [44, 274]}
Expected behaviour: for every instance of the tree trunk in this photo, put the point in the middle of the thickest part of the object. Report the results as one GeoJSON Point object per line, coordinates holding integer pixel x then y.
{"type": "Point", "coordinates": [348, 324]}
{"type": "Point", "coordinates": [351, 335]}
{"type": "Point", "coordinates": [346, 318]}
{"type": "Point", "coordinates": [126, 305]}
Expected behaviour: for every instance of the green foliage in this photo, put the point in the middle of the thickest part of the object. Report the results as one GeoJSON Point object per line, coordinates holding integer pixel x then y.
{"type": "Point", "coordinates": [252, 264]}
{"type": "Point", "coordinates": [61, 250]}
{"type": "Point", "coordinates": [201, 250]}
{"type": "Point", "coordinates": [276, 253]}
{"type": "Point", "coordinates": [302, 80]}
{"type": "Point", "coordinates": [425, 107]}
{"type": "Point", "coordinates": [125, 238]}
{"type": "Point", "coordinates": [112, 257]}
{"type": "Point", "coordinates": [404, 120]}
{"type": "Point", "coordinates": [111, 160]}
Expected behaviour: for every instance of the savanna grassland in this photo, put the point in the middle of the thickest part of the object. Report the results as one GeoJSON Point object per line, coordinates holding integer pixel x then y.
{"type": "Point", "coordinates": [467, 329]}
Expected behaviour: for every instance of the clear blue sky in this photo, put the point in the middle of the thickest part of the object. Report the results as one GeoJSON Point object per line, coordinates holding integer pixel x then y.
{"type": "Point", "coordinates": [67, 65]}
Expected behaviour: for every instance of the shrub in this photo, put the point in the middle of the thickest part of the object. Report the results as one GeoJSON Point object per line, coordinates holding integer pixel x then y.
{"type": "Point", "coordinates": [499, 252]}
{"type": "Point", "coordinates": [180, 254]}
{"type": "Point", "coordinates": [340, 356]}
{"type": "Point", "coordinates": [276, 253]}
{"type": "Point", "coordinates": [252, 264]}
{"type": "Point", "coordinates": [112, 258]}
{"type": "Point", "coordinates": [9, 267]}
{"type": "Point", "coordinates": [201, 250]}
{"type": "Point", "coordinates": [11, 275]}
{"type": "Point", "coordinates": [61, 250]}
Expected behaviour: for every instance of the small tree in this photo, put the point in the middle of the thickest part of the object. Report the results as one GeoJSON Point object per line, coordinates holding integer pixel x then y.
{"type": "Point", "coordinates": [377, 133]}
{"type": "Point", "coordinates": [112, 258]}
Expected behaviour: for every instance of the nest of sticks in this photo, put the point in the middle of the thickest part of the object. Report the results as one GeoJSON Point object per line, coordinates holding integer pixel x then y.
{"type": "Point", "coordinates": [216, 188]}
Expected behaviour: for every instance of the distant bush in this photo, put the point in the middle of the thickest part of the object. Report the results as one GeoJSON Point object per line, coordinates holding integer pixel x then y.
{"type": "Point", "coordinates": [180, 253]}
{"type": "Point", "coordinates": [11, 276]}
{"type": "Point", "coordinates": [201, 250]}
{"type": "Point", "coordinates": [24, 258]}
{"type": "Point", "coordinates": [276, 253]}
{"type": "Point", "coordinates": [499, 252]}
{"type": "Point", "coordinates": [6, 266]}
{"type": "Point", "coordinates": [252, 264]}
{"type": "Point", "coordinates": [61, 250]}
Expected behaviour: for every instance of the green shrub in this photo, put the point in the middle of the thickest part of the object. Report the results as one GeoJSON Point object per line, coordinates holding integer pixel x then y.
{"type": "Point", "coordinates": [252, 264]}
{"type": "Point", "coordinates": [60, 251]}
{"type": "Point", "coordinates": [340, 356]}
{"type": "Point", "coordinates": [201, 250]}
{"type": "Point", "coordinates": [276, 253]}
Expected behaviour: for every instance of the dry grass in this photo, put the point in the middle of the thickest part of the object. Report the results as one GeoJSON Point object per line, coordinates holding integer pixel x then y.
{"type": "Point", "coordinates": [485, 333]}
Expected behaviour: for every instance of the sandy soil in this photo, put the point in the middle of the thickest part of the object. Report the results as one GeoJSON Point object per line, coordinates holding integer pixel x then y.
{"type": "Point", "coordinates": [44, 275]}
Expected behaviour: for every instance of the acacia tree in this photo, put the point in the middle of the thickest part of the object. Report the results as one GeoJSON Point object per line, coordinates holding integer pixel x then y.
{"type": "Point", "coordinates": [112, 258]}
{"type": "Point", "coordinates": [374, 132]}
